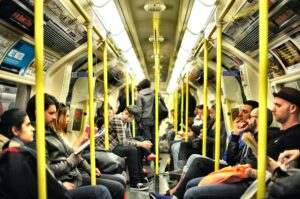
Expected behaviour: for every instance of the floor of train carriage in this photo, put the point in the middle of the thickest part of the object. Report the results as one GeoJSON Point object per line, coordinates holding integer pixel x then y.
{"type": "Point", "coordinates": [159, 183]}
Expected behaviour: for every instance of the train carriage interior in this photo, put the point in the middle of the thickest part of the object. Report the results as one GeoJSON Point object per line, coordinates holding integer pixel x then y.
{"type": "Point", "coordinates": [164, 41]}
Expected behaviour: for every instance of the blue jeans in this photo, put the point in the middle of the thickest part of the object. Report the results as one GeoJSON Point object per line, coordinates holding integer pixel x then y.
{"type": "Point", "coordinates": [215, 191]}
{"type": "Point", "coordinates": [112, 183]}
{"type": "Point", "coordinates": [175, 152]}
{"type": "Point", "coordinates": [90, 192]}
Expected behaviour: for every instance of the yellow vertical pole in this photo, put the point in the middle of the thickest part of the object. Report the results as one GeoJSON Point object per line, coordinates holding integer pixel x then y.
{"type": "Point", "coordinates": [40, 113]}
{"type": "Point", "coordinates": [218, 97]}
{"type": "Point", "coordinates": [176, 111]}
{"type": "Point", "coordinates": [157, 74]}
{"type": "Point", "coordinates": [105, 86]}
{"type": "Point", "coordinates": [127, 90]}
{"type": "Point", "coordinates": [205, 75]}
{"type": "Point", "coordinates": [132, 102]}
{"type": "Point", "coordinates": [181, 105]}
{"type": "Point", "coordinates": [156, 112]}
{"type": "Point", "coordinates": [91, 102]}
{"type": "Point", "coordinates": [263, 90]}
{"type": "Point", "coordinates": [186, 107]}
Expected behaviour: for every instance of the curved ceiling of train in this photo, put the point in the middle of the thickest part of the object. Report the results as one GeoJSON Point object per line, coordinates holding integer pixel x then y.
{"type": "Point", "coordinates": [240, 30]}
{"type": "Point", "coordinates": [172, 24]}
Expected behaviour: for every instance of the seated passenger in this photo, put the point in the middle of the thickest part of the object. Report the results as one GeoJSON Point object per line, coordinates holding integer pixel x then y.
{"type": "Point", "coordinates": [62, 160]}
{"type": "Point", "coordinates": [285, 185]}
{"type": "Point", "coordinates": [122, 144]}
{"type": "Point", "coordinates": [3, 140]}
{"type": "Point", "coordinates": [202, 166]}
{"type": "Point", "coordinates": [18, 177]}
{"type": "Point", "coordinates": [60, 126]}
{"type": "Point", "coordinates": [286, 111]}
{"type": "Point", "coordinates": [195, 147]}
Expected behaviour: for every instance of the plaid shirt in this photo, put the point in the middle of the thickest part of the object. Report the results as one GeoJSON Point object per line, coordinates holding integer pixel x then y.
{"type": "Point", "coordinates": [119, 134]}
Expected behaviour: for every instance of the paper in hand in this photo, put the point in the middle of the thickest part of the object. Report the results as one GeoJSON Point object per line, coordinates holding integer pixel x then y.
{"type": "Point", "coordinates": [87, 143]}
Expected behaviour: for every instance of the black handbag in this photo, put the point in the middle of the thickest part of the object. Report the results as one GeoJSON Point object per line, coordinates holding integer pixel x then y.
{"type": "Point", "coordinates": [107, 162]}
{"type": "Point", "coordinates": [162, 109]}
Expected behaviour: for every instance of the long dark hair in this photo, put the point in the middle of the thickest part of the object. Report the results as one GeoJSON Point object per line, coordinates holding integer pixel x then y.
{"type": "Point", "coordinates": [61, 111]}
{"type": "Point", "coordinates": [11, 118]}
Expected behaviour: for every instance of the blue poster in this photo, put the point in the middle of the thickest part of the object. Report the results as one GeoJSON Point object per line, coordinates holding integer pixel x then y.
{"type": "Point", "coordinates": [19, 56]}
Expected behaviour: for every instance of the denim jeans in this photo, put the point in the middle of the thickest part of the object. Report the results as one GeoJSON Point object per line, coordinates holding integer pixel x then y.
{"type": "Point", "coordinates": [193, 157]}
{"type": "Point", "coordinates": [90, 192]}
{"type": "Point", "coordinates": [189, 162]}
{"type": "Point", "coordinates": [115, 188]}
{"type": "Point", "coordinates": [215, 191]}
{"type": "Point", "coordinates": [175, 152]}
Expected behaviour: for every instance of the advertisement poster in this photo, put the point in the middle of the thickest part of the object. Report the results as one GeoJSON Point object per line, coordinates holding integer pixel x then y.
{"type": "Point", "coordinates": [289, 55]}
{"type": "Point", "coordinates": [18, 58]}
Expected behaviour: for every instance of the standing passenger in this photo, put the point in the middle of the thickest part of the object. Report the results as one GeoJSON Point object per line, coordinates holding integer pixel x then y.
{"type": "Point", "coordinates": [145, 101]}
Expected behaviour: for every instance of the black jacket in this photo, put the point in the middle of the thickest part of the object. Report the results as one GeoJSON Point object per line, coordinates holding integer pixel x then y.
{"type": "Point", "coordinates": [61, 159]}
{"type": "Point", "coordinates": [18, 176]}
{"type": "Point", "coordinates": [235, 155]}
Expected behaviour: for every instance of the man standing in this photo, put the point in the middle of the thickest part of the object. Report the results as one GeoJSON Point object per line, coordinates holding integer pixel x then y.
{"type": "Point", "coordinates": [145, 101]}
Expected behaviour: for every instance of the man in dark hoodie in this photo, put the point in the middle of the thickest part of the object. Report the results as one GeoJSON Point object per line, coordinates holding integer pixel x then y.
{"type": "Point", "coordinates": [145, 101]}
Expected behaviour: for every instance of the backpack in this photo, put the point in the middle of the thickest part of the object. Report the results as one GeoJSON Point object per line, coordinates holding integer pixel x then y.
{"type": "Point", "coordinates": [163, 111]}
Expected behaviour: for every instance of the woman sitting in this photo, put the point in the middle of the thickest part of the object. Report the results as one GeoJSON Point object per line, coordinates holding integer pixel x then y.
{"type": "Point", "coordinates": [18, 165]}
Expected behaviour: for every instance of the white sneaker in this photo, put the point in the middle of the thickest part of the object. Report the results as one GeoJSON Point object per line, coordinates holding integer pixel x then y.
{"type": "Point", "coordinates": [139, 187]}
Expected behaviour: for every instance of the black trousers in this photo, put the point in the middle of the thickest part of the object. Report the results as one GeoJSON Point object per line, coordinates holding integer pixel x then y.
{"type": "Point", "coordinates": [132, 155]}
{"type": "Point", "coordinates": [187, 149]}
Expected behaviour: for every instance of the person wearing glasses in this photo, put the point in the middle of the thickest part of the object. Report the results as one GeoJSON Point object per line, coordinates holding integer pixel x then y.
{"type": "Point", "coordinates": [124, 145]}
{"type": "Point", "coordinates": [286, 111]}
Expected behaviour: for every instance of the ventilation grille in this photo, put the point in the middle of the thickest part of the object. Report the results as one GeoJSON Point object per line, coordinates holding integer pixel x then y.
{"type": "Point", "coordinates": [250, 41]}
{"type": "Point", "coordinates": [57, 39]}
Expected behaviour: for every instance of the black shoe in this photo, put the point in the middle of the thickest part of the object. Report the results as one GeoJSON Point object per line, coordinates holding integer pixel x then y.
{"type": "Point", "coordinates": [139, 187]}
{"type": "Point", "coordinates": [175, 174]}
{"type": "Point", "coordinates": [146, 181]}
{"type": "Point", "coordinates": [150, 175]}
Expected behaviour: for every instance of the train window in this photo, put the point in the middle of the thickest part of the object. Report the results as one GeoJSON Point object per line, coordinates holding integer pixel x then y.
{"type": "Point", "coordinates": [8, 94]}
